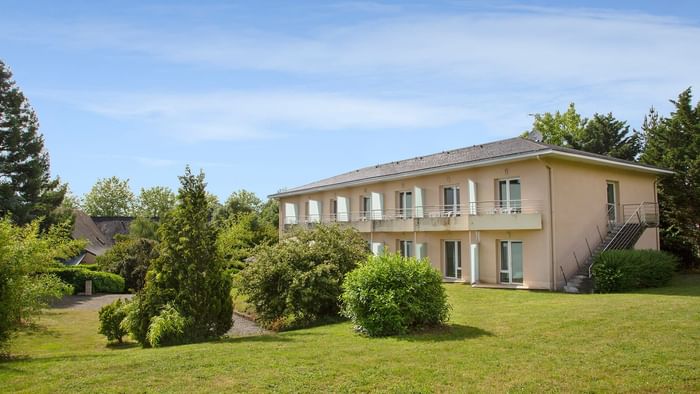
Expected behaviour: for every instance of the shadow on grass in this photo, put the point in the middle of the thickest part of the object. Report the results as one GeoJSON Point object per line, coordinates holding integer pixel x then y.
{"type": "Point", "coordinates": [449, 332]}
{"type": "Point", "coordinates": [254, 338]}
{"type": "Point", "coordinates": [122, 346]}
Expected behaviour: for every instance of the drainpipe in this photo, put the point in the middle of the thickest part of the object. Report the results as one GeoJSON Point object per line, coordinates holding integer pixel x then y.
{"type": "Point", "coordinates": [552, 277]}
{"type": "Point", "coordinates": [658, 212]}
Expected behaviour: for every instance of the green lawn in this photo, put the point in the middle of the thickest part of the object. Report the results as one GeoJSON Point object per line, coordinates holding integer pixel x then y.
{"type": "Point", "coordinates": [500, 340]}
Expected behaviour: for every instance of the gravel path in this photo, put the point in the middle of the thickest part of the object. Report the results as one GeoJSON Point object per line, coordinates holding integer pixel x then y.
{"type": "Point", "coordinates": [241, 326]}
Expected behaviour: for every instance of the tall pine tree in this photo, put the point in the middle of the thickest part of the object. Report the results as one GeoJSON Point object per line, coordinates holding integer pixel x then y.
{"type": "Point", "coordinates": [673, 142]}
{"type": "Point", "coordinates": [26, 188]}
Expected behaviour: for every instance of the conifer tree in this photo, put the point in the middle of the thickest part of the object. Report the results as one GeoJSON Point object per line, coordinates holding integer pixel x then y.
{"type": "Point", "coordinates": [26, 188]}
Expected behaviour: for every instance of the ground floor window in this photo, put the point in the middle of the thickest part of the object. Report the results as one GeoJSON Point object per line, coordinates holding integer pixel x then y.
{"type": "Point", "coordinates": [453, 260]}
{"type": "Point", "coordinates": [511, 267]}
{"type": "Point", "coordinates": [406, 248]}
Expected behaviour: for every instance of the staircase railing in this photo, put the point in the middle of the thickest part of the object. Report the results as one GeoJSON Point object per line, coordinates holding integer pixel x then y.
{"type": "Point", "coordinates": [640, 216]}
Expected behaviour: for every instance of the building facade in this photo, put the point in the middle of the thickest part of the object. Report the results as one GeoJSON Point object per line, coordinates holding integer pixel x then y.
{"type": "Point", "coordinates": [512, 213]}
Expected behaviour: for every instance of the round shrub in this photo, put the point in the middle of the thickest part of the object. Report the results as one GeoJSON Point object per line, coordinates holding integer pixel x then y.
{"type": "Point", "coordinates": [623, 270]}
{"type": "Point", "coordinates": [390, 294]}
{"type": "Point", "coordinates": [102, 282]}
{"type": "Point", "coordinates": [111, 317]}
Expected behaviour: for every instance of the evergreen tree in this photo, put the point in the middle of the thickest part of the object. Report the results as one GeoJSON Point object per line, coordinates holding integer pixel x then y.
{"type": "Point", "coordinates": [26, 188]}
{"type": "Point", "coordinates": [605, 135]}
{"type": "Point", "coordinates": [674, 143]}
{"type": "Point", "coordinates": [188, 277]}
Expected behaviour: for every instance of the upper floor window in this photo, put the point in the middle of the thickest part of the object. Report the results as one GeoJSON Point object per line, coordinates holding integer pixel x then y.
{"type": "Point", "coordinates": [450, 200]}
{"type": "Point", "coordinates": [365, 207]}
{"type": "Point", "coordinates": [509, 199]}
{"type": "Point", "coordinates": [405, 205]}
{"type": "Point", "coordinates": [334, 209]}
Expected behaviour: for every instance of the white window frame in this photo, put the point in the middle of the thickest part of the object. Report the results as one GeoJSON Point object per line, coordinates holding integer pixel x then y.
{"type": "Point", "coordinates": [365, 207]}
{"type": "Point", "coordinates": [454, 208]}
{"type": "Point", "coordinates": [457, 245]}
{"type": "Point", "coordinates": [406, 248]}
{"type": "Point", "coordinates": [405, 212]}
{"type": "Point", "coordinates": [509, 270]}
{"type": "Point", "coordinates": [507, 204]}
{"type": "Point", "coordinates": [333, 208]}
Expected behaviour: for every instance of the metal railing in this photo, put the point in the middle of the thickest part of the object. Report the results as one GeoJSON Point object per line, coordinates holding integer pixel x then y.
{"type": "Point", "coordinates": [636, 217]}
{"type": "Point", "coordinates": [493, 207]}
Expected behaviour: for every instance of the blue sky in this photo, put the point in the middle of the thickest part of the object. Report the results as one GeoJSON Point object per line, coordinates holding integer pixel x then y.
{"type": "Point", "coordinates": [267, 95]}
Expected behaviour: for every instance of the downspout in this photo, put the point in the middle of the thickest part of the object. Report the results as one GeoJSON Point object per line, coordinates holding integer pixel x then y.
{"type": "Point", "coordinates": [552, 278]}
{"type": "Point", "coordinates": [658, 219]}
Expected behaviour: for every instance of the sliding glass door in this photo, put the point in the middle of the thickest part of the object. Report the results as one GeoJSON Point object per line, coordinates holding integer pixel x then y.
{"type": "Point", "coordinates": [511, 264]}
{"type": "Point", "coordinates": [453, 259]}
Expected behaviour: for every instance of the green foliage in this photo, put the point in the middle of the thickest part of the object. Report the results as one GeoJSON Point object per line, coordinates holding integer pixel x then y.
{"type": "Point", "coordinates": [155, 202]}
{"type": "Point", "coordinates": [390, 294]}
{"type": "Point", "coordinates": [673, 142]}
{"type": "Point", "coordinates": [188, 274]}
{"type": "Point", "coordinates": [27, 191]}
{"type": "Point", "coordinates": [602, 134]}
{"type": "Point", "coordinates": [239, 237]}
{"type": "Point", "coordinates": [102, 282]}
{"type": "Point", "coordinates": [239, 203]}
{"type": "Point", "coordinates": [109, 197]}
{"type": "Point", "coordinates": [25, 287]}
{"type": "Point", "coordinates": [167, 328]}
{"type": "Point", "coordinates": [143, 227]}
{"type": "Point", "coordinates": [130, 259]}
{"type": "Point", "coordinates": [298, 280]}
{"type": "Point", "coordinates": [623, 270]}
{"type": "Point", "coordinates": [111, 317]}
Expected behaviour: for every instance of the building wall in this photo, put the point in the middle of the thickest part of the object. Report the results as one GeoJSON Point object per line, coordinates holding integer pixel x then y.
{"type": "Point", "coordinates": [578, 207]}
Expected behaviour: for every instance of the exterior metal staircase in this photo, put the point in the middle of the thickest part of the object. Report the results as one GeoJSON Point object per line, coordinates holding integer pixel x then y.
{"type": "Point", "coordinates": [637, 218]}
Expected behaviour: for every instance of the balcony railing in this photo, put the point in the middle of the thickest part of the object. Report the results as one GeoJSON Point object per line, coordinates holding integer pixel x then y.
{"type": "Point", "coordinates": [479, 208]}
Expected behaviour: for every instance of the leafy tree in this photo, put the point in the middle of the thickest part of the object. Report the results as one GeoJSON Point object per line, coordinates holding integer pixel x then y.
{"type": "Point", "coordinates": [25, 288]}
{"type": "Point", "coordinates": [559, 128]}
{"type": "Point", "coordinates": [188, 277]}
{"type": "Point", "coordinates": [109, 197]}
{"type": "Point", "coordinates": [270, 213]}
{"type": "Point", "coordinates": [70, 201]}
{"type": "Point", "coordinates": [27, 191]}
{"type": "Point", "coordinates": [155, 202]}
{"type": "Point", "coordinates": [131, 259]}
{"type": "Point", "coordinates": [143, 227]}
{"type": "Point", "coordinates": [238, 238]}
{"type": "Point", "coordinates": [239, 203]}
{"type": "Point", "coordinates": [673, 142]}
{"type": "Point", "coordinates": [602, 134]}
{"type": "Point", "coordinates": [298, 280]}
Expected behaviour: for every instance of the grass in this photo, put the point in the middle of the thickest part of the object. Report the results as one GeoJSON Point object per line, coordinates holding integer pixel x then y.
{"type": "Point", "coordinates": [499, 340]}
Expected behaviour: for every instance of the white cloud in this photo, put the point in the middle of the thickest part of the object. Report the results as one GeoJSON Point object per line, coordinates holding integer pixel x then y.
{"type": "Point", "coordinates": [235, 115]}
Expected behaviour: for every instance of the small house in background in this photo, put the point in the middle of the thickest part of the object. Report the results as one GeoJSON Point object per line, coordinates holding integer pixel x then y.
{"type": "Point", "coordinates": [100, 233]}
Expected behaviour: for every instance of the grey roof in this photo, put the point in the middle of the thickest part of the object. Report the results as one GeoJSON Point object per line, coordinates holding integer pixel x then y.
{"type": "Point", "coordinates": [482, 154]}
{"type": "Point", "coordinates": [85, 228]}
{"type": "Point", "coordinates": [113, 225]}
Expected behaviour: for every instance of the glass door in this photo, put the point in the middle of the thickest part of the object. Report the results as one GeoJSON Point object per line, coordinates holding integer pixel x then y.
{"type": "Point", "coordinates": [405, 205]}
{"type": "Point", "coordinates": [453, 263]}
{"type": "Point", "coordinates": [612, 202]}
{"type": "Point", "coordinates": [509, 195]}
{"type": "Point", "coordinates": [511, 265]}
{"type": "Point", "coordinates": [450, 200]}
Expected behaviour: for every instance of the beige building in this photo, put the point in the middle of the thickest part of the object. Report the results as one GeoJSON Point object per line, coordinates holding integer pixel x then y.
{"type": "Point", "coordinates": [512, 213]}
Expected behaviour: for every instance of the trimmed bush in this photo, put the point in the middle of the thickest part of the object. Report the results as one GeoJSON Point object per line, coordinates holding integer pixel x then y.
{"type": "Point", "coordinates": [130, 259]}
{"type": "Point", "coordinates": [167, 328]}
{"type": "Point", "coordinates": [623, 270]}
{"type": "Point", "coordinates": [298, 281]}
{"type": "Point", "coordinates": [111, 317]}
{"type": "Point", "coordinates": [102, 282]}
{"type": "Point", "coordinates": [390, 295]}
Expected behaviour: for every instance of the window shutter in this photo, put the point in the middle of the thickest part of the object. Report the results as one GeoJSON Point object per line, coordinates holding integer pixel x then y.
{"type": "Point", "coordinates": [377, 205]}
{"type": "Point", "coordinates": [290, 213]}
{"type": "Point", "coordinates": [472, 198]}
{"type": "Point", "coordinates": [314, 211]}
{"type": "Point", "coordinates": [418, 193]}
{"type": "Point", "coordinates": [474, 258]}
{"type": "Point", "coordinates": [422, 251]}
{"type": "Point", "coordinates": [377, 248]}
{"type": "Point", "coordinates": [343, 209]}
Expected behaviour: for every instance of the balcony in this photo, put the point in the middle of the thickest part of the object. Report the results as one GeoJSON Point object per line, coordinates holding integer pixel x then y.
{"type": "Point", "coordinates": [482, 215]}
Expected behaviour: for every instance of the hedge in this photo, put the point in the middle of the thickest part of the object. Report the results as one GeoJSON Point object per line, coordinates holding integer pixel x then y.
{"type": "Point", "coordinates": [102, 282]}
{"type": "Point", "coordinates": [623, 270]}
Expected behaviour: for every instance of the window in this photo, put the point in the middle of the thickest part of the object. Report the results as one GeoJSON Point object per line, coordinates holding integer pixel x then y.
{"type": "Point", "coordinates": [453, 260]}
{"type": "Point", "coordinates": [365, 207]}
{"type": "Point", "coordinates": [406, 248]}
{"type": "Point", "coordinates": [450, 199]}
{"type": "Point", "coordinates": [334, 209]}
{"type": "Point", "coordinates": [511, 267]}
{"type": "Point", "coordinates": [405, 205]}
{"type": "Point", "coordinates": [509, 195]}
{"type": "Point", "coordinates": [612, 202]}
